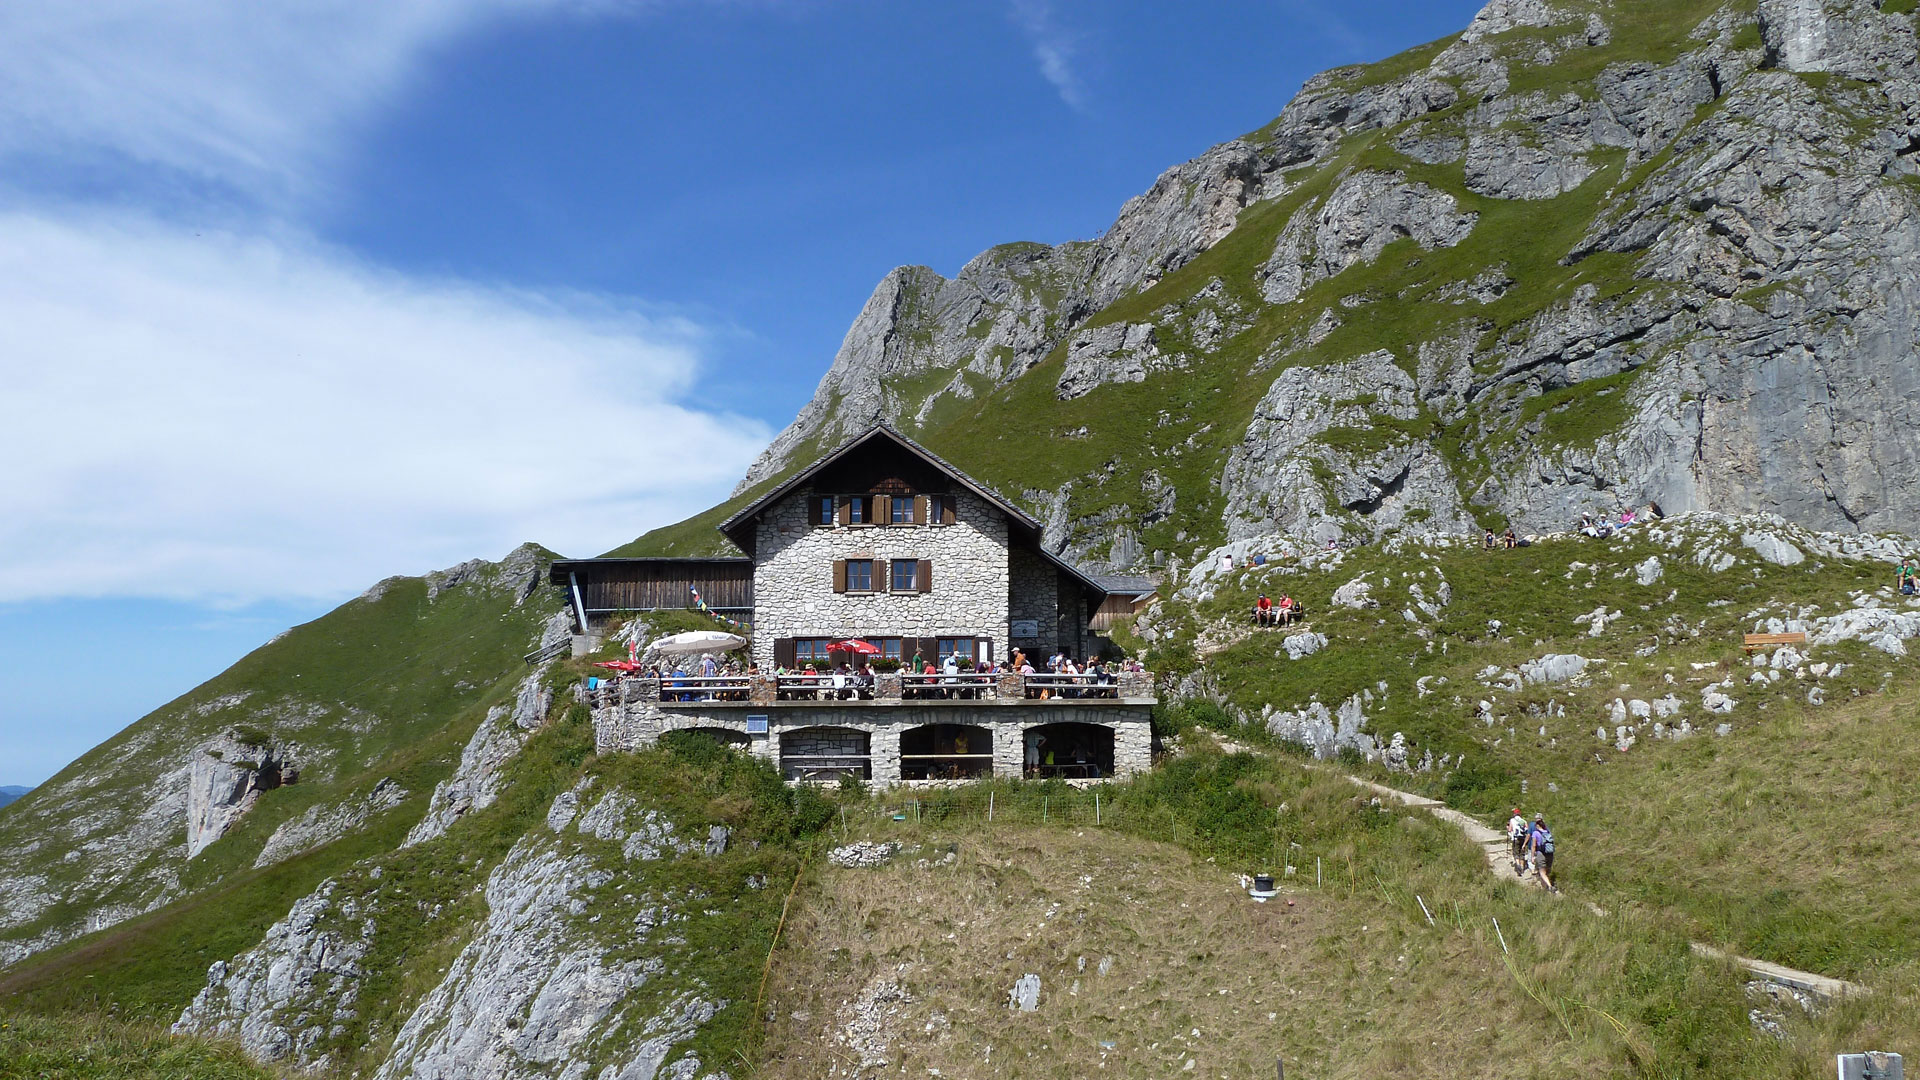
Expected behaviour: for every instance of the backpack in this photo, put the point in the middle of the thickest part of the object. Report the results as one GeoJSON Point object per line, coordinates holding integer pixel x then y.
{"type": "Point", "coordinates": [1546, 841]}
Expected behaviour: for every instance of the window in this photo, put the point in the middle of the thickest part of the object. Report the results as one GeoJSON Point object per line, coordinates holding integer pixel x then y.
{"type": "Point", "coordinates": [940, 509]}
{"type": "Point", "coordinates": [889, 647]}
{"type": "Point", "coordinates": [859, 575]}
{"type": "Point", "coordinates": [905, 575]}
{"type": "Point", "coordinates": [823, 510]}
{"type": "Point", "coordinates": [902, 510]}
{"type": "Point", "coordinates": [961, 647]}
{"type": "Point", "coordinates": [856, 510]}
{"type": "Point", "coordinates": [810, 650]}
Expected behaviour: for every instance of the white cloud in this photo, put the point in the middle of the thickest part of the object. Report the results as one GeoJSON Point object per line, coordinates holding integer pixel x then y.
{"type": "Point", "coordinates": [249, 100]}
{"type": "Point", "coordinates": [217, 416]}
{"type": "Point", "coordinates": [1054, 49]}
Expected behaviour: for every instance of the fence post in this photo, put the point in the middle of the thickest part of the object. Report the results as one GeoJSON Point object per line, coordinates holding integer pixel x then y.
{"type": "Point", "coordinates": [989, 807]}
{"type": "Point", "coordinates": [1096, 808]}
{"type": "Point", "coordinates": [1043, 808]}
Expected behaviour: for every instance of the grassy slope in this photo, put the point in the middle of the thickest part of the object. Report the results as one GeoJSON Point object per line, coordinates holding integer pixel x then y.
{"type": "Point", "coordinates": [388, 687]}
{"type": "Point", "coordinates": [1351, 981]}
{"type": "Point", "coordinates": [96, 1048]}
{"type": "Point", "coordinates": [1779, 840]}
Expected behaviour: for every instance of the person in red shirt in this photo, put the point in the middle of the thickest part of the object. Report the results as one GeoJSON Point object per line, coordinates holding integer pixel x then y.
{"type": "Point", "coordinates": [1286, 610]}
{"type": "Point", "coordinates": [1263, 611]}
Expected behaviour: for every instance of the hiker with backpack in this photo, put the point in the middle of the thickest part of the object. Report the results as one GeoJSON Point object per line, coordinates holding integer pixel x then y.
{"type": "Point", "coordinates": [1540, 846]}
{"type": "Point", "coordinates": [1517, 841]}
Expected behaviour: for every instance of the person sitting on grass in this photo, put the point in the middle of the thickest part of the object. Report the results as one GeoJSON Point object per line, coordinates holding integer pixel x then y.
{"type": "Point", "coordinates": [1510, 540]}
{"type": "Point", "coordinates": [1907, 578]}
{"type": "Point", "coordinates": [1490, 541]}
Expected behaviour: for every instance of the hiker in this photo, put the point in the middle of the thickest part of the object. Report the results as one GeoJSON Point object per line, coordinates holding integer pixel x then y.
{"type": "Point", "coordinates": [1540, 845]}
{"type": "Point", "coordinates": [1517, 840]}
{"type": "Point", "coordinates": [1287, 609]}
{"type": "Point", "coordinates": [1907, 578]}
{"type": "Point", "coordinates": [1263, 610]}
{"type": "Point", "coordinates": [1490, 541]}
{"type": "Point", "coordinates": [1510, 540]}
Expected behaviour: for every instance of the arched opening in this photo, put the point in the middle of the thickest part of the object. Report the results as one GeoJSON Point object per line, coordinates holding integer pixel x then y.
{"type": "Point", "coordinates": [1069, 750]}
{"type": "Point", "coordinates": [825, 754]}
{"type": "Point", "coordinates": [946, 752]}
{"type": "Point", "coordinates": [723, 736]}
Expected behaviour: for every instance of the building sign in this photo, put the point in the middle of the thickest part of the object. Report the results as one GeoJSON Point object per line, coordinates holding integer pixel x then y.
{"type": "Point", "coordinates": [756, 725]}
{"type": "Point", "coordinates": [1026, 628]}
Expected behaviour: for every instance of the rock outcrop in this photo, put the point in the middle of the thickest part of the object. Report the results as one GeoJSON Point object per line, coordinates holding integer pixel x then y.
{"type": "Point", "coordinates": [226, 778]}
{"type": "Point", "coordinates": [1704, 298]}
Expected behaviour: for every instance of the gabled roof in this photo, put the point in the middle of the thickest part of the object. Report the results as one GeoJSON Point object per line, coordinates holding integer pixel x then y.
{"type": "Point", "coordinates": [1016, 516]}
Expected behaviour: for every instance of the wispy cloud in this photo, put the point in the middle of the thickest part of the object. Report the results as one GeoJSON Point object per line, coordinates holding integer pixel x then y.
{"type": "Point", "coordinates": [1349, 43]}
{"type": "Point", "coordinates": [224, 417]}
{"type": "Point", "coordinates": [207, 403]}
{"type": "Point", "coordinates": [1054, 49]}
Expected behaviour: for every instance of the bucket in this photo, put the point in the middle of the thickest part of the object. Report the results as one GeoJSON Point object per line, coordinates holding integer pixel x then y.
{"type": "Point", "coordinates": [1263, 883]}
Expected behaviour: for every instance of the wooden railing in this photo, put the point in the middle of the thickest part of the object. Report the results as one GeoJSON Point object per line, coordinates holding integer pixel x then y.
{"type": "Point", "coordinates": [889, 688]}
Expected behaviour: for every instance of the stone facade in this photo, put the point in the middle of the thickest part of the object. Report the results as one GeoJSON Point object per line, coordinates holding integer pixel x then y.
{"type": "Point", "coordinates": [793, 580]}
{"type": "Point", "coordinates": [1035, 599]}
{"type": "Point", "coordinates": [632, 719]}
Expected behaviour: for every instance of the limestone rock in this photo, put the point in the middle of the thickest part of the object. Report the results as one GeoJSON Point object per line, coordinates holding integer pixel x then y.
{"type": "Point", "coordinates": [322, 825]}
{"type": "Point", "coordinates": [1305, 643]}
{"type": "Point", "coordinates": [475, 783]}
{"type": "Point", "coordinates": [1368, 211]}
{"type": "Point", "coordinates": [1025, 995]}
{"type": "Point", "coordinates": [227, 776]}
{"type": "Point", "coordinates": [1553, 668]}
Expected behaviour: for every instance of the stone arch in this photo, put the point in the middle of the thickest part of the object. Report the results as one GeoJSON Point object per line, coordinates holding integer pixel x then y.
{"type": "Point", "coordinates": [1068, 749]}
{"type": "Point", "coordinates": [946, 752]}
{"type": "Point", "coordinates": [725, 736]}
{"type": "Point", "coordinates": [826, 753]}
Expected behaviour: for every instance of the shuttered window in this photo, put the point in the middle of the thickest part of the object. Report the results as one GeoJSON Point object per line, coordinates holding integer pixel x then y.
{"type": "Point", "coordinates": [905, 575]}
{"type": "Point", "coordinates": [940, 509]}
{"type": "Point", "coordinates": [900, 510]}
{"type": "Point", "coordinates": [823, 510]}
{"type": "Point", "coordinates": [859, 575]}
{"type": "Point", "coordinates": [856, 510]}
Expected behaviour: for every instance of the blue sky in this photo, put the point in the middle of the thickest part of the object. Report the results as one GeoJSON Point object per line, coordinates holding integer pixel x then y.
{"type": "Point", "coordinates": [297, 296]}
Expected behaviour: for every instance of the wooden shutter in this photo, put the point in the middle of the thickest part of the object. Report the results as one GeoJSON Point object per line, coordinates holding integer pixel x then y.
{"type": "Point", "coordinates": [783, 652]}
{"type": "Point", "coordinates": [919, 509]}
{"type": "Point", "coordinates": [929, 650]}
{"type": "Point", "coordinates": [840, 575]}
{"type": "Point", "coordinates": [923, 577]}
{"type": "Point", "coordinates": [879, 512]}
{"type": "Point", "coordinates": [843, 511]}
{"type": "Point", "coordinates": [946, 509]}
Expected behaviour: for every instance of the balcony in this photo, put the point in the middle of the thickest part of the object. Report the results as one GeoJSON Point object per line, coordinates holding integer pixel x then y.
{"type": "Point", "coordinates": [885, 690]}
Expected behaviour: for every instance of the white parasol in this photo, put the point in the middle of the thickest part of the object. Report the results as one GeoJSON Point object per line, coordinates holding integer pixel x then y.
{"type": "Point", "coordinates": [697, 641]}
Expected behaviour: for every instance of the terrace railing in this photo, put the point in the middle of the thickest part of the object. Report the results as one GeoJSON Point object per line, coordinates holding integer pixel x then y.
{"type": "Point", "coordinates": [887, 688]}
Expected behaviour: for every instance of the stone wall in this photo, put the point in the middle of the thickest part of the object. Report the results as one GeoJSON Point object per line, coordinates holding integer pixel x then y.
{"type": "Point", "coordinates": [793, 577]}
{"type": "Point", "coordinates": [636, 723]}
{"type": "Point", "coordinates": [1034, 597]}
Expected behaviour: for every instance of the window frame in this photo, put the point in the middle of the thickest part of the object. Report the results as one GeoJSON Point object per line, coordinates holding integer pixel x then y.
{"type": "Point", "coordinates": [912, 567]}
{"type": "Point", "coordinates": [899, 509]}
{"type": "Point", "coordinates": [868, 564]}
{"type": "Point", "coordinates": [948, 646]}
{"type": "Point", "coordinates": [803, 651]}
{"type": "Point", "coordinates": [825, 509]}
{"type": "Point", "coordinates": [856, 510]}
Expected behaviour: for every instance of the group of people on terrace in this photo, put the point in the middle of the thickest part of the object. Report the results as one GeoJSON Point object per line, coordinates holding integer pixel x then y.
{"type": "Point", "coordinates": [956, 676]}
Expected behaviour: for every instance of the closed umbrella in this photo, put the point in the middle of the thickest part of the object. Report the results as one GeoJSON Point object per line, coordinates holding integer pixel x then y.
{"type": "Point", "coordinates": [696, 641]}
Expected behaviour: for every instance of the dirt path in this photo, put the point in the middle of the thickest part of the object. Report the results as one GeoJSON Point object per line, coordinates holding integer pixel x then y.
{"type": "Point", "coordinates": [1494, 844]}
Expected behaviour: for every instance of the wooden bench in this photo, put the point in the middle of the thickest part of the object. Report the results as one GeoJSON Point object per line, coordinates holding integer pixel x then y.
{"type": "Point", "coordinates": [1755, 642]}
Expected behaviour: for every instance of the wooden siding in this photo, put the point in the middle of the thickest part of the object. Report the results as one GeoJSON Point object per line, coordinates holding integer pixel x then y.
{"type": "Point", "coordinates": [725, 584]}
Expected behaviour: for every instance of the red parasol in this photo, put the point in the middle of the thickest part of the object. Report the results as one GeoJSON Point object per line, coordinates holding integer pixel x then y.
{"type": "Point", "coordinates": [855, 645]}
{"type": "Point", "coordinates": [619, 665]}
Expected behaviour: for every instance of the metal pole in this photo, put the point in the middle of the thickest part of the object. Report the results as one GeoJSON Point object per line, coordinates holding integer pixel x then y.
{"type": "Point", "coordinates": [1316, 871]}
{"type": "Point", "coordinates": [989, 807]}
{"type": "Point", "coordinates": [1096, 808]}
{"type": "Point", "coordinates": [579, 606]}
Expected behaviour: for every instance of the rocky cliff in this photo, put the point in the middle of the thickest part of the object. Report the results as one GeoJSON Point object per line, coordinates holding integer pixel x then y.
{"type": "Point", "coordinates": [1583, 256]}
